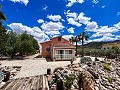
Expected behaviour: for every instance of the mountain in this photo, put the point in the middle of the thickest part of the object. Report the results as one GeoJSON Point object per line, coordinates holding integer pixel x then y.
{"type": "Point", "coordinates": [98, 45]}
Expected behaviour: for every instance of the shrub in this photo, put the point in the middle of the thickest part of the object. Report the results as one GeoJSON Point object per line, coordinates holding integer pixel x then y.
{"type": "Point", "coordinates": [110, 79]}
{"type": "Point", "coordinates": [106, 67]}
{"type": "Point", "coordinates": [85, 59]}
{"type": "Point", "coordinates": [69, 81]}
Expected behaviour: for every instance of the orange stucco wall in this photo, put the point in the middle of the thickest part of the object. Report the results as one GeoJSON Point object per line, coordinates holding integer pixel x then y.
{"type": "Point", "coordinates": [48, 44]}
{"type": "Point", "coordinates": [44, 46]}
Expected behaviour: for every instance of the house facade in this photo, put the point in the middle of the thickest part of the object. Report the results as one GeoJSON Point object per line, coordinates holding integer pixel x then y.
{"type": "Point", "coordinates": [58, 48]}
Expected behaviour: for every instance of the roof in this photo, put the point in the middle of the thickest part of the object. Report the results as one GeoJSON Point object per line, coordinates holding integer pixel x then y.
{"type": "Point", "coordinates": [61, 45]}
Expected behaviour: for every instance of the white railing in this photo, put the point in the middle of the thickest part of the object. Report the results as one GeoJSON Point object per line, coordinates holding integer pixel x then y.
{"type": "Point", "coordinates": [63, 56]}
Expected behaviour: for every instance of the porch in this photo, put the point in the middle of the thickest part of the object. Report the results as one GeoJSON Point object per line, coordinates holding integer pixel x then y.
{"type": "Point", "coordinates": [67, 54]}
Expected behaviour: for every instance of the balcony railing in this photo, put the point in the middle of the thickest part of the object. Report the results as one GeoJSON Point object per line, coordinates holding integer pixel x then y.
{"type": "Point", "coordinates": [63, 56]}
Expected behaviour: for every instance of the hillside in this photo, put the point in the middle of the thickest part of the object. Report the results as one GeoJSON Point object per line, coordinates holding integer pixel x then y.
{"type": "Point", "coordinates": [98, 45]}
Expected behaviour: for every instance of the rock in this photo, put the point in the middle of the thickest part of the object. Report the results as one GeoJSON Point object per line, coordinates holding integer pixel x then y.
{"type": "Point", "coordinates": [95, 75]}
{"type": "Point", "coordinates": [88, 82]}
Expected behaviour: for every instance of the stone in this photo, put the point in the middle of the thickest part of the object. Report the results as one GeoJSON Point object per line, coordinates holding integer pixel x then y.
{"type": "Point", "coordinates": [88, 82]}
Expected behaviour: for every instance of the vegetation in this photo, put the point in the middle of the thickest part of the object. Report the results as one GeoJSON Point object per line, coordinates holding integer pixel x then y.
{"type": "Point", "coordinates": [69, 81]}
{"type": "Point", "coordinates": [110, 79]}
{"type": "Point", "coordinates": [76, 40]}
{"type": "Point", "coordinates": [20, 44]}
{"type": "Point", "coordinates": [107, 67]}
{"type": "Point", "coordinates": [80, 37]}
{"type": "Point", "coordinates": [85, 59]}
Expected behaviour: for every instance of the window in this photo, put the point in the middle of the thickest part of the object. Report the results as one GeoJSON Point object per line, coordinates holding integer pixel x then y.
{"type": "Point", "coordinates": [59, 38]}
{"type": "Point", "coordinates": [47, 49]}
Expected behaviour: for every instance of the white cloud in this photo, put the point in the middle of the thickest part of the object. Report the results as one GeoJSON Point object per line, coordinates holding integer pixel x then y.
{"type": "Point", "coordinates": [91, 26]}
{"type": "Point", "coordinates": [71, 30]}
{"type": "Point", "coordinates": [95, 1]}
{"type": "Point", "coordinates": [73, 22]}
{"type": "Point", "coordinates": [83, 19]}
{"type": "Point", "coordinates": [54, 17]}
{"type": "Point", "coordinates": [75, 19]}
{"type": "Point", "coordinates": [67, 36]}
{"type": "Point", "coordinates": [117, 25]}
{"type": "Point", "coordinates": [52, 26]}
{"type": "Point", "coordinates": [35, 31]}
{"type": "Point", "coordinates": [40, 21]}
{"type": "Point", "coordinates": [118, 13]}
{"type": "Point", "coordinates": [21, 1]}
{"type": "Point", "coordinates": [71, 2]}
{"type": "Point", "coordinates": [69, 14]}
{"type": "Point", "coordinates": [103, 6]}
{"type": "Point", "coordinates": [105, 31]}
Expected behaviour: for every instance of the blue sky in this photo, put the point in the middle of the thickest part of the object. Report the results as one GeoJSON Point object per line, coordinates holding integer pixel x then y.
{"type": "Point", "coordinates": [45, 19]}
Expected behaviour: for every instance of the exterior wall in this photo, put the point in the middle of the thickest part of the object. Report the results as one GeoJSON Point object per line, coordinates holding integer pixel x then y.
{"type": "Point", "coordinates": [55, 40]}
{"type": "Point", "coordinates": [51, 54]}
{"type": "Point", "coordinates": [109, 46]}
{"type": "Point", "coordinates": [44, 53]}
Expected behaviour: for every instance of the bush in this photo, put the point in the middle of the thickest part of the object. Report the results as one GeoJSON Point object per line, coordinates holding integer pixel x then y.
{"type": "Point", "coordinates": [106, 67]}
{"type": "Point", "coordinates": [85, 59]}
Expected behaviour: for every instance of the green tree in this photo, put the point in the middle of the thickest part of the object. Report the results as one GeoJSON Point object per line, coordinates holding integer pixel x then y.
{"type": "Point", "coordinates": [2, 16]}
{"type": "Point", "coordinates": [27, 44]}
{"type": "Point", "coordinates": [3, 36]}
{"type": "Point", "coordinates": [76, 40]}
{"type": "Point", "coordinates": [82, 37]}
{"type": "Point", "coordinates": [13, 44]}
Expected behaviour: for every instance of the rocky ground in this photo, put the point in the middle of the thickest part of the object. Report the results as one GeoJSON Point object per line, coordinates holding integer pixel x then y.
{"type": "Point", "coordinates": [96, 75]}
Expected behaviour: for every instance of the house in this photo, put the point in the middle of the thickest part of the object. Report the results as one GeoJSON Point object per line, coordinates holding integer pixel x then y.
{"type": "Point", "coordinates": [110, 45]}
{"type": "Point", "coordinates": [58, 48]}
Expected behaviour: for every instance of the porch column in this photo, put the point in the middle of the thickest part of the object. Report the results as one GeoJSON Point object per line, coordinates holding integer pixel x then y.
{"type": "Point", "coordinates": [53, 54]}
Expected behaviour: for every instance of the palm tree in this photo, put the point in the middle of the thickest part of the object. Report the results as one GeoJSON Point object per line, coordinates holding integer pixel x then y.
{"type": "Point", "coordinates": [2, 16]}
{"type": "Point", "coordinates": [72, 40]}
{"type": "Point", "coordinates": [83, 37]}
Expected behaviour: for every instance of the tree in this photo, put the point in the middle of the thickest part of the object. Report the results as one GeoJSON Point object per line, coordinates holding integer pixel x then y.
{"type": "Point", "coordinates": [72, 40]}
{"type": "Point", "coordinates": [13, 44]}
{"type": "Point", "coordinates": [3, 36]}
{"type": "Point", "coordinates": [27, 45]}
{"type": "Point", "coordinates": [116, 48]}
{"type": "Point", "coordinates": [2, 16]}
{"type": "Point", "coordinates": [82, 37]}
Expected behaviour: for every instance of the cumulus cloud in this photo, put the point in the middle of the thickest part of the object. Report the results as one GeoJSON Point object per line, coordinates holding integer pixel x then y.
{"type": "Point", "coordinates": [77, 19]}
{"type": "Point", "coordinates": [54, 17]}
{"type": "Point", "coordinates": [71, 2]}
{"type": "Point", "coordinates": [82, 18]}
{"type": "Point", "coordinates": [67, 36]}
{"type": "Point", "coordinates": [71, 30]}
{"type": "Point", "coordinates": [35, 31]}
{"type": "Point", "coordinates": [21, 1]}
{"type": "Point", "coordinates": [40, 21]}
{"type": "Point", "coordinates": [117, 25]}
{"type": "Point", "coordinates": [52, 26]}
{"type": "Point", "coordinates": [73, 22]}
{"type": "Point", "coordinates": [91, 26]}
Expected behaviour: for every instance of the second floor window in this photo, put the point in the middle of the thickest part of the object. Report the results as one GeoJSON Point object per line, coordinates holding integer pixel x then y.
{"type": "Point", "coordinates": [59, 38]}
{"type": "Point", "coordinates": [47, 49]}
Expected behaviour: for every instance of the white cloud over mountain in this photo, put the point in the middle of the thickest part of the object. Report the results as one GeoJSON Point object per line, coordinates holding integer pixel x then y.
{"type": "Point", "coordinates": [20, 1]}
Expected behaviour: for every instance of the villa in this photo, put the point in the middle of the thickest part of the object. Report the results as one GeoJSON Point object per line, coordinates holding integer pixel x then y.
{"type": "Point", "coordinates": [58, 48]}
